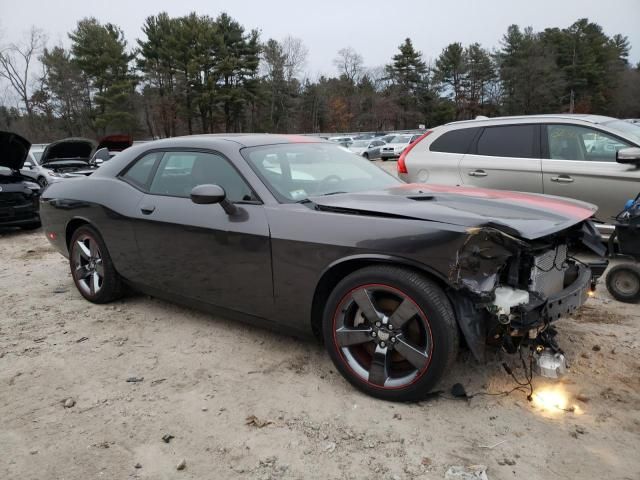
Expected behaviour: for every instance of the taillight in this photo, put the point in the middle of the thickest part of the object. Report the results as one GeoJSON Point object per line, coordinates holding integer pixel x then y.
{"type": "Point", "coordinates": [402, 167]}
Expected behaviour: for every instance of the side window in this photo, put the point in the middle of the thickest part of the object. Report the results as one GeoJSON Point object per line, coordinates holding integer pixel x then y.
{"type": "Point", "coordinates": [572, 142]}
{"type": "Point", "coordinates": [179, 172]}
{"type": "Point", "coordinates": [508, 141]}
{"type": "Point", "coordinates": [140, 173]}
{"type": "Point", "coordinates": [454, 141]}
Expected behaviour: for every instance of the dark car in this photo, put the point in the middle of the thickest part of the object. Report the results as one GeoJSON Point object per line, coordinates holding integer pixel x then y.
{"type": "Point", "coordinates": [19, 205]}
{"type": "Point", "coordinates": [303, 236]}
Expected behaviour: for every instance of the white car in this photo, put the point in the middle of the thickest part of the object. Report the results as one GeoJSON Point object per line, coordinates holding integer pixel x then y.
{"type": "Point", "coordinates": [345, 141]}
{"type": "Point", "coordinates": [396, 146]}
{"type": "Point", "coordinates": [591, 158]}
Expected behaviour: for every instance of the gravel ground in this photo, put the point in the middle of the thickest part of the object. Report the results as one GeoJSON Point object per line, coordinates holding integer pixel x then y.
{"type": "Point", "coordinates": [89, 391]}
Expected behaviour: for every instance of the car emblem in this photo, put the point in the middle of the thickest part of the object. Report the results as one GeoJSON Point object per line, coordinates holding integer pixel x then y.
{"type": "Point", "coordinates": [383, 335]}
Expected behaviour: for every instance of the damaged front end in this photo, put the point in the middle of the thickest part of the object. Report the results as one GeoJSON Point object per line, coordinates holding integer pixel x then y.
{"type": "Point", "coordinates": [507, 291]}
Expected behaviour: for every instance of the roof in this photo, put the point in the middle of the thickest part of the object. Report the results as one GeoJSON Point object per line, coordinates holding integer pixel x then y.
{"type": "Point", "coordinates": [251, 139]}
{"type": "Point", "coordinates": [564, 116]}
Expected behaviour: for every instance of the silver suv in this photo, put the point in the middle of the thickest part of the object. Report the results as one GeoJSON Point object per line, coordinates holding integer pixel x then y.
{"type": "Point", "coordinates": [587, 157]}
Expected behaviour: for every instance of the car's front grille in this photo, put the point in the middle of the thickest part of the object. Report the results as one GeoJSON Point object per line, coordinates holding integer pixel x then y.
{"type": "Point", "coordinates": [547, 274]}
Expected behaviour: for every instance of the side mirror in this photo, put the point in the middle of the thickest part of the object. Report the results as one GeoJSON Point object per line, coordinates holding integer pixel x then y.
{"type": "Point", "coordinates": [28, 165]}
{"type": "Point", "coordinates": [101, 155]}
{"type": "Point", "coordinates": [210, 194]}
{"type": "Point", "coordinates": [628, 155]}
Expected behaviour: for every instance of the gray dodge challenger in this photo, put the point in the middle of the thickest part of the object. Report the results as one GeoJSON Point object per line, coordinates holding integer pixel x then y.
{"type": "Point", "coordinates": [305, 237]}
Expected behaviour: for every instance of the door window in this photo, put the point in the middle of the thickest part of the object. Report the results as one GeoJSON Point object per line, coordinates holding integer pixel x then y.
{"type": "Point", "coordinates": [140, 173]}
{"type": "Point", "coordinates": [508, 141]}
{"type": "Point", "coordinates": [572, 142]}
{"type": "Point", "coordinates": [179, 172]}
{"type": "Point", "coordinates": [454, 141]}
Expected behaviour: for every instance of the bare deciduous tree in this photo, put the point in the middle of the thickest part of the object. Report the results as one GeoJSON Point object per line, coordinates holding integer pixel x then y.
{"type": "Point", "coordinates": [295, 54]}
{"type": "Point", "coordinates": [16, 61]}
{"type": "Point", "coordinates": [349, 63]}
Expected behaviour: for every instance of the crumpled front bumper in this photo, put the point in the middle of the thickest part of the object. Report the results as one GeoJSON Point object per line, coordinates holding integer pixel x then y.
{"type": "Point", "coordinates": [540, 310]}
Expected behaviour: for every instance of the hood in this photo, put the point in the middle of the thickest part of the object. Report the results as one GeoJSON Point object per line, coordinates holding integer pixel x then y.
{"type": "Point", "coordinates": [14, 150]}
{"type": "Point", "coordinates": [78, 149]}
{"type": "Point", "coordinates": [526, 215]}
{"type": "Point", "coordinates": [115, 143]}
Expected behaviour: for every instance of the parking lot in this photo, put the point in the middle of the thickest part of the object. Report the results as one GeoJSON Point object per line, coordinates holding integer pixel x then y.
{"type": "Point", "coordinates": [89, 391]}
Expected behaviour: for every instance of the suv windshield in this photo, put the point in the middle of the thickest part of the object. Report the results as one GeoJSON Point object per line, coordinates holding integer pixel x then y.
{"type": "Point", "coordinates": [401, 139]}
{"type": "Point", "coordinates": [295, 171]}
{"type": "Point", "coordinates": [625, 129]}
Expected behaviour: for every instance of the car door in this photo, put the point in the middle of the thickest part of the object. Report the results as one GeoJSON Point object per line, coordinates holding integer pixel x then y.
{"type": "Point", "coordinates": [199, 251]}
{"type": "Point", "coordinates": [506, 157]}
{"type": "Point", "coordinates": [374, 149]}
{"type": "Point", "coordinates": [580, 162]}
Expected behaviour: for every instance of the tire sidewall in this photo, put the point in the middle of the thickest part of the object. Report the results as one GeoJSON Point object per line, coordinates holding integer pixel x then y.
{"type": "Point", "coordinates": [439, 327]}
{"type": "Point", "coordinates": [634, 270]}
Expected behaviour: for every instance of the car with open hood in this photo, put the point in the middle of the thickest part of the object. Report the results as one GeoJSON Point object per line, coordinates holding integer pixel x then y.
{"type": "Point", "coordinates": [303, 236]}
{"type": "Point", "coordinates": [19, 195]}
{"type": "Point", "coordinates": [66, 158]}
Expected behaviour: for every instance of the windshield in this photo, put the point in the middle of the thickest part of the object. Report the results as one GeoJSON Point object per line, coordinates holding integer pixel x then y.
{"type": "Point", "coordinates": [295, 171]}
{"type": "Point", "coordinates": [360, 144]}
{"type": "Point", "coordinates": [625, 129]}
{"type": "Point", "coordinates": [401, 139]}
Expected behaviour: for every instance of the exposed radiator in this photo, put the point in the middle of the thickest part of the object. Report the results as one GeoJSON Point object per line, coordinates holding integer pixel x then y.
{"type": "Point", "coordinates": [547, 274]}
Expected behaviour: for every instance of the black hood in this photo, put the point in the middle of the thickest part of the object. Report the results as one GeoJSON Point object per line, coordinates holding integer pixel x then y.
{"type": "Point", "coordinates": [528, 216]}
{"type": "Point", "coordinates": [14, 150]}
{"type": "Point", "coordinates": [75, 149]}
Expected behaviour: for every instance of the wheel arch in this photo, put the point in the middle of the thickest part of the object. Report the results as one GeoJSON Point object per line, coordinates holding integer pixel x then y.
{"type": "Point", "coordinates": [72, 226]}
{"type": "Point", "coordinates": [339, 269]}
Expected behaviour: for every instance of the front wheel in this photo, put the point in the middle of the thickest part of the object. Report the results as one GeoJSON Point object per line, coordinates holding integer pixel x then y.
{"type": "Point", "coordinates": [91, 267]}
{"type": "Point", "coordinates": [391, 332]}
{"type": "Point", "coordinates": [623, 282]}
{"type": "Point", "coordinates": [42, 182]}
{"type": "Point", "coordinates": [365, 155]}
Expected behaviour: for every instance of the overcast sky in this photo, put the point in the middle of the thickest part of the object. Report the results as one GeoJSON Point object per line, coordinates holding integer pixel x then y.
{"type": "Point", "coordinates": [373, 28]}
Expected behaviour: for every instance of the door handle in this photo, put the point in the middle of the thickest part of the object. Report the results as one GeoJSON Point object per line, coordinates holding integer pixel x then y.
{"type": "Point", "coordinates": [147, 209]}
{"type": "Point", "coordinates": [562, 179]}
{"type": "Point", "coordinates": [478, 173]}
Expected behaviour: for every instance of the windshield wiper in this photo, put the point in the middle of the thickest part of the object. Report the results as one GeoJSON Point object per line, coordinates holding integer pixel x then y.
{"type": "Point", "coordinates": [331, 193]}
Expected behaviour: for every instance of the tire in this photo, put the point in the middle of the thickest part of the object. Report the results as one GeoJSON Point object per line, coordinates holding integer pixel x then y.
{"type": "Point", "coordinates": [623, 282]}
{"type": "Point", "coordinates": [93, 259]}
{"type": "Point", "coordinates": [410, 356]}
{"type": "Point", "coordinates": [42, 182]}
{"type": "Point", "coordinates": [31, 226]}
{"type": "Point", "coordinates": [365, 155]}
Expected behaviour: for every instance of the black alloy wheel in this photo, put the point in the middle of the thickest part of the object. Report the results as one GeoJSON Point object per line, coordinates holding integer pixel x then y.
{"type": "Point", "coordinates": [91, 267]}
{"type": "Point", "coordinates": [391, 332]}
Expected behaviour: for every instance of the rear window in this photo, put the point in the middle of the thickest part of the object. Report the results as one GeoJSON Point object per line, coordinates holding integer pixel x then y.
{"type": "Point", "coordinates": [508, 141]}
{"type": "Point", "coordinates": [454, 141]}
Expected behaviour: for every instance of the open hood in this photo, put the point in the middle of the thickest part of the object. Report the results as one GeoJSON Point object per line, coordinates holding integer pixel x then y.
{"type": "Point", "coordinates": [68, 149]}
{"type": "Point", "coordinates": [115, 143]}
{"type": "Point", "coordinates": [14, 150]}
{"type": "Point", "coordinates": [526, 215]}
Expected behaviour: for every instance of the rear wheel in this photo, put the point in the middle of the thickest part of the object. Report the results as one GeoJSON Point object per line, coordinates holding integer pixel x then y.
{"type": "Point", "coordinates": [623, 282]}
{"type": "Point", "coordinates": [391, 332]}
{"type": "Point", "coordinates": [92, 268]}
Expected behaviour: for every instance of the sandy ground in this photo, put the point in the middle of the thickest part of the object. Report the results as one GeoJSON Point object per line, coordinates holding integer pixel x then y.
{"type": "Point", "coordinates": [202, 377]}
